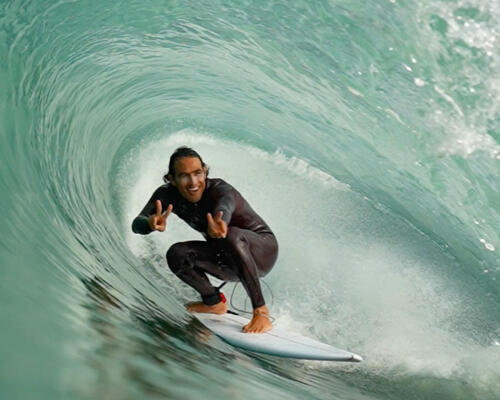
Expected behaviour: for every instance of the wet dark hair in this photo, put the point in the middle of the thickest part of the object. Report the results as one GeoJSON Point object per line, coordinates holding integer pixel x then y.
{"type": "Point", "coordinates": [181, 152]}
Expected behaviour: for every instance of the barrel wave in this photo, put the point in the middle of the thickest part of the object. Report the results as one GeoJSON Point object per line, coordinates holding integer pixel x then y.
{"type": "Point", "coordinates": [365, 133]}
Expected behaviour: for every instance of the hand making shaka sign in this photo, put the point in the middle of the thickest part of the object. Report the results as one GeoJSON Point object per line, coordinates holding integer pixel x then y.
{"type": "Point", "coordinates": [158, 221]}
{"type": "Point", "coordinates": [217, 228]}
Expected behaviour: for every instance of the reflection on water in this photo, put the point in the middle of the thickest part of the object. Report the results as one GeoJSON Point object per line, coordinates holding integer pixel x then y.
{"type": "Point", "coordinates": [141, 344]}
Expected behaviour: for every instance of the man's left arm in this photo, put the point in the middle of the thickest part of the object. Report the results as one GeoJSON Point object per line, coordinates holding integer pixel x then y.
{"type": "Point", "coordinates": [224, 205]}
{"type": "Point", "coordinates": [225, 201]}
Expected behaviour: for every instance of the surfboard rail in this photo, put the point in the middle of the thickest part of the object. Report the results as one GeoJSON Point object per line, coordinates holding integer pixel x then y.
{"type": "Point", "coordinates": [277, 342]}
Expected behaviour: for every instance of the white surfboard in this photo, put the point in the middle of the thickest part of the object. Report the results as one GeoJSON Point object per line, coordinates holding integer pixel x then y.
{"type": "Point", "coordinates": [276, 342]}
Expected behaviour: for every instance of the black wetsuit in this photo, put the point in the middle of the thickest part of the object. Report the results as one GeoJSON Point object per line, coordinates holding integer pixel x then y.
{"type": "Point", "coordinates": [248, 251]}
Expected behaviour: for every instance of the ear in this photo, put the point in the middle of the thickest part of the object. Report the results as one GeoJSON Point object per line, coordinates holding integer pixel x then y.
{"type": "Point", "coordinates": [171, 180]}
{"type": "Point", "coordinates": [205, 170]}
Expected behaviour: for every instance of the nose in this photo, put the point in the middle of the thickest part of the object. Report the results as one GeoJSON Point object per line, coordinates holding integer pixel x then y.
{"type": "Point", "coordinates": [192, 179]}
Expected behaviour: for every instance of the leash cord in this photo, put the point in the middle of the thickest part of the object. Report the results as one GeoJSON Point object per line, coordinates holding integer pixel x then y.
{"type": "Point", "coordinates": [244, 311]}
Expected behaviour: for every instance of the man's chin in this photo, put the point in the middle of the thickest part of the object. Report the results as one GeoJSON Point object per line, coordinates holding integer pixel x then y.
{"type": "Point", "coordinates": [192, 199]}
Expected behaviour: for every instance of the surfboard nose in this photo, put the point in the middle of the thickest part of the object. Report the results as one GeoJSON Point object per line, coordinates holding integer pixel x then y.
{"type": "Point", "coordinates": [357, 358]}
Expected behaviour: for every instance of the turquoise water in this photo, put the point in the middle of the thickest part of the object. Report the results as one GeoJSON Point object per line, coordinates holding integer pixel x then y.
{"type": "Point", "coordinates": [367, 134]}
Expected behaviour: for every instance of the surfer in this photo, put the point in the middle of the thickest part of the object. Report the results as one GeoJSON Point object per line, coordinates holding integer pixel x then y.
{"type": "Point", "coordinates": [239, 245]}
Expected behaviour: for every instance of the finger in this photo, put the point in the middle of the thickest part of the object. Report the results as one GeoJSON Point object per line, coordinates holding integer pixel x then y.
{"type": "Point", "coordinates": [210, 219]}
{"type": "Point", "coordinates": [223, 229]}
{"type": "Point", "coordinates": [219, 216]}
{"type": "Point", "coordinates": [168, 211]}
{"type": "Point", "coordinates": [155, 222]}
{"type": "Point", "coordinates": [159, 225]}
{"type": "Point", "coordinates": [158, 207]}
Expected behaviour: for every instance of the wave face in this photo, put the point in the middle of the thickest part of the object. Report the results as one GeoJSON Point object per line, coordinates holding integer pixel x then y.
{"type": "Point", "coordinates": [367, 134]}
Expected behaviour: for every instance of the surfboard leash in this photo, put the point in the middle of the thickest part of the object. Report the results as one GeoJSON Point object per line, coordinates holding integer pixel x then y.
{"type": "Point", "coordinates": [223, 298]}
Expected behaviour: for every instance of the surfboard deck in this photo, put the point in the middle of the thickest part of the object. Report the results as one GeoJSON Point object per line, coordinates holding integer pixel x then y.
{"type": "Point", "coordinates": [277, 342]}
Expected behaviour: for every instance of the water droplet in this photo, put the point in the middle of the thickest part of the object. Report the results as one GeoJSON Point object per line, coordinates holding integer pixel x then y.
{"type": "Point", "coordinates": [487, 245]}
{"type": "Point", "coordinates": [419, 82]}
{"type": "Point", "coordinates": [354, 91]}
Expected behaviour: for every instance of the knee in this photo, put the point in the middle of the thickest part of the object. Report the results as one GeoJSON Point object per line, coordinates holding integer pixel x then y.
{"type": "Point", "coordinates": [236, 238]}
{"type": "Point", "coordinates": [178, 257]}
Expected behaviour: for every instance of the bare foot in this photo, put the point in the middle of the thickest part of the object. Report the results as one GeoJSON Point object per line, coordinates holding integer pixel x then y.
{"type": "Point", "coordinates": [260, 322]}
{"type": "Point", "coordinates": [199, 307]}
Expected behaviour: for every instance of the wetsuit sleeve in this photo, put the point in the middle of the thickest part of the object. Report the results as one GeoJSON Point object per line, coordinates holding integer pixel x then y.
{"type": "Point", "coordinates": [225, 201]}
{"type": "Point", "coordinates": [141, 222]}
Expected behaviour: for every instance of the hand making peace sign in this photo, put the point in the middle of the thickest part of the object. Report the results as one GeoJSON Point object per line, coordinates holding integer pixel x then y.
{"type": "Point", "coordinates": [217, 228]}
{"type": "Point", "coordinates": [158, 221]}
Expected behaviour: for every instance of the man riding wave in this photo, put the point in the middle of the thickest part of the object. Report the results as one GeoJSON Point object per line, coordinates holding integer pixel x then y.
{"type": "Point", "coordinates": [239, 245]}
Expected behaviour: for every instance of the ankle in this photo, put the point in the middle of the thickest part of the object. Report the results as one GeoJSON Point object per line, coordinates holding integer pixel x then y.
{"type": "Point", "coordinates": [261, 311]}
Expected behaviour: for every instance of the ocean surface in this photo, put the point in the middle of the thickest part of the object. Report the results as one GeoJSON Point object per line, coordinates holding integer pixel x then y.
{"type": "Point", "coordinates": [366, 133]}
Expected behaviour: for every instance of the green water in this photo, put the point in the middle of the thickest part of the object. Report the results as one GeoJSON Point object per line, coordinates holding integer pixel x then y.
{"type": "Point", "coordinates": [367, 134]}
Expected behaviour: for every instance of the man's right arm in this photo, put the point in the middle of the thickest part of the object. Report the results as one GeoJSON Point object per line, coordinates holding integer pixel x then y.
{"type": "Point", "coordinates": [141, 222]}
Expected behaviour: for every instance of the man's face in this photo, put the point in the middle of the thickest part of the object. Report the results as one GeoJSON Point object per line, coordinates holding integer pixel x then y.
{"type": "Point", "coordinates": [190, 178]}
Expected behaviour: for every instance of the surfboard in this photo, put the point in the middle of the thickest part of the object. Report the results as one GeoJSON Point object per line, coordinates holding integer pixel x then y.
{"type": "Point", "coordinates": [276, 342]}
